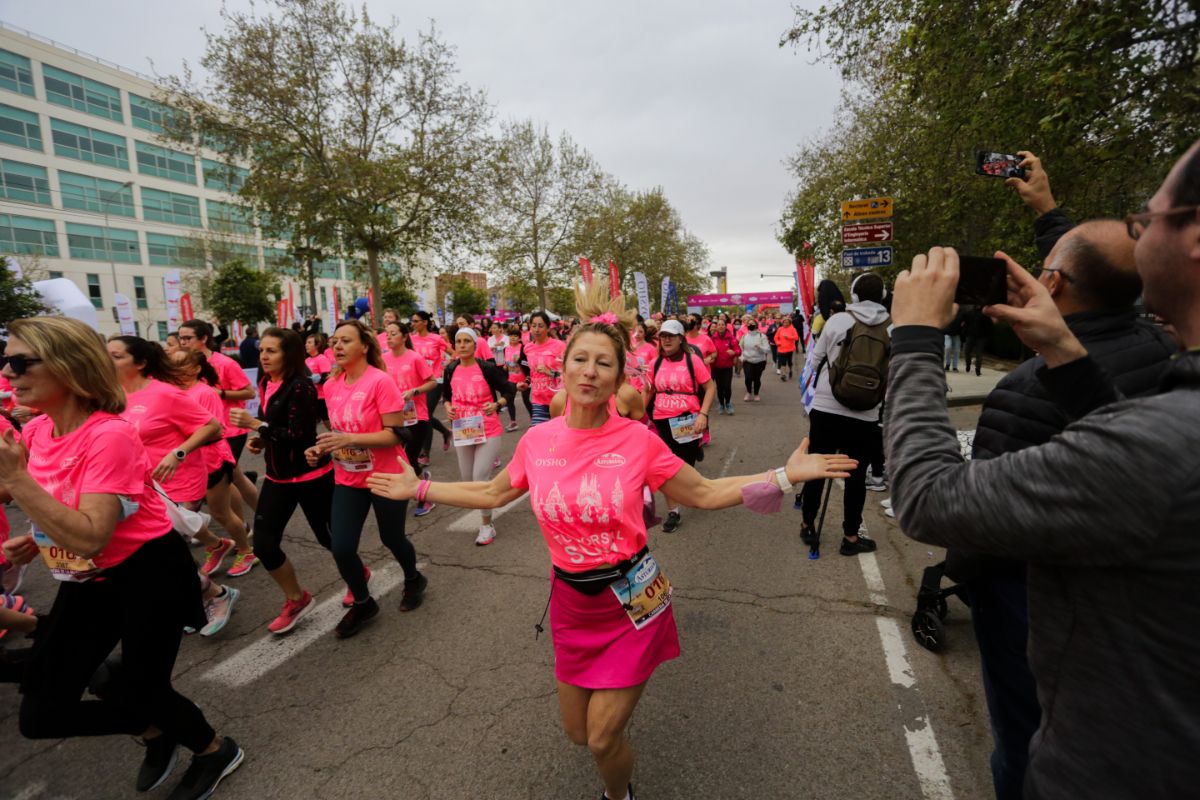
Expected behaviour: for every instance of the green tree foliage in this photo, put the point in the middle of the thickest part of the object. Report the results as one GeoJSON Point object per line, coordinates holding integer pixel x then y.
{"type": "Point", "coordinates": [349, 133]}
{"type": "Point", "coordinates": [18, 298]}
{"type": "Point", "coordinates": [1106, 92]}
{"type": "Point", "coordinates": [396, 293]}
{"type": "Point", "coordinates": [237, 291]}
{"type": "Point", "coordinates": [642, 232]}
{"type": "Point", "coordinates": [466, 298]}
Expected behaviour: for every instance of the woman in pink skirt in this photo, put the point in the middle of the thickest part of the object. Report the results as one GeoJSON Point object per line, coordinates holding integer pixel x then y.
{"type": "Point", "coordinates": [610, 603]}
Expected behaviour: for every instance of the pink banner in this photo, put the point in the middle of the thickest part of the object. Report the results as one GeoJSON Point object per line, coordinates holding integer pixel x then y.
{"type": "Point", "coordinates": [586, 267]}
{"type": "Point", "coordinates": [614, 280]}
{"type": "Point", "coordinates": [739, 299]}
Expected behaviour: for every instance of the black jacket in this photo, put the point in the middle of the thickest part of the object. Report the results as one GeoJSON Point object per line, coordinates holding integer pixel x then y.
{"type": "Point", "coordinates": [291, 416]}
{"type": "Point", "coordinates": [1049, 228]}
{"type": "Point", "coordinates": [497, 380]}
{"type": "Point", "coordinates": [1019, 413]}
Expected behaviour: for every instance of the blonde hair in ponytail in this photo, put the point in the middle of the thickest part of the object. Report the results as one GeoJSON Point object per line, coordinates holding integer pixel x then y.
{"type": "Point", "coordinates": [591, 302]}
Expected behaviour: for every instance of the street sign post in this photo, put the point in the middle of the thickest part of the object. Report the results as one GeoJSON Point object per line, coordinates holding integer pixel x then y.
{"type": "Point", "coordinates": [867, 258]}
{"type": "Point", "coordinates": [871, 208]}
{"type": "Point", "coordinates": [868, 233]}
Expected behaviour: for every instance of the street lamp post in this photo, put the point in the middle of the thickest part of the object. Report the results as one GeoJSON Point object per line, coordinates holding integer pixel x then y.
{"type": "Point", "coordinates": [105, 199]}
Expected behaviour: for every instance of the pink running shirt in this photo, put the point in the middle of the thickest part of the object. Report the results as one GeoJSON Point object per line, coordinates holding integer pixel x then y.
{"type": "Point", "coordinates": [468, 392]}
{"type": "Point", "coordinates": [232, 378]}
{"type": "Point", "coordinates": [512, 364]}
{"type": "Point", "coordinates": [409, 371]}
{"type": "Point", "coordinates": [104, 455]}
{"type": "Point", "coordinates": [549, 354]}
{"type": "Point", "coordinates": [318, 365]}
{"type": "Point", "coordinates": [219, 452]}
{"type": "Point", "coordinates": [359, 408]}
{"type": "Point", "coordinates": [674, 392]}
{"type": "Point", "coordinates": [5, 426]}
{"type": "Point", "coordinates": [430, 347]}
{"type": "Point", "coordinates": [164, 417]}
{"type": "Point", "coordinates": [705, 343]}
{"type": "Point", "coordinates": [585, 487]}
{"type": "Point", "coordinates": [642, 358]}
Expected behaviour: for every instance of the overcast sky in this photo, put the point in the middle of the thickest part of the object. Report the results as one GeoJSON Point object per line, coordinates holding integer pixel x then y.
{"type": "Point", "coordinates": [694, 96]}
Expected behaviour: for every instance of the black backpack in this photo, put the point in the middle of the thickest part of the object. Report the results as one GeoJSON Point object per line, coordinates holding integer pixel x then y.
{"type": "Point", "coordinates": [858, 376]}
{"type": "Point", "coordinates": [696, 389]}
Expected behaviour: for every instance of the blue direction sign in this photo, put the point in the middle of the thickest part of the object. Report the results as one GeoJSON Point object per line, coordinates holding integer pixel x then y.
{"type": "Point", "coordinates": [867, 257]}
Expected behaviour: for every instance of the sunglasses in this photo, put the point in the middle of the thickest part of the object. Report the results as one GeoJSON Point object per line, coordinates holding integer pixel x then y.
{"type": "Point", "coordinates": [19, 364]}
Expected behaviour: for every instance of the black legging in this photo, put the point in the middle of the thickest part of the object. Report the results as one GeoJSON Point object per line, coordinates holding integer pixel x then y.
{"type": "Point", "coordinates": [723, 376]}
{"type": "Point", "coordinates": [143, 603]}
{"type": "Point", "coordinates": [277, 503]}
{"type": "Point", "coordinates": [754, 373]}
{"type": "Point", "coordinates": [435, 424]}
{"type": "Point", "coordinates": [350, 507]}
{"type": "Point", "coordinates": [414, 438]}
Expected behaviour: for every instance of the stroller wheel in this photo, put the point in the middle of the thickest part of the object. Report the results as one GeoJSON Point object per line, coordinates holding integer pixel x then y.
{"type": "Point", "coordinates": [941, 609]}
{"type": "Point", "coordinates": [928, 631]}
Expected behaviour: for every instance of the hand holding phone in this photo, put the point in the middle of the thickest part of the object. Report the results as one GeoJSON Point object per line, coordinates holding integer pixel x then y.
{"type": "Point", "coordinates": [999, 165]}
{"type": "Point", "coordinates": [981, 281]}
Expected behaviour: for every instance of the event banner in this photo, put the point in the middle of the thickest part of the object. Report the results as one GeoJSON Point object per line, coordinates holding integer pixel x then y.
{"type": "Point", "coordinates": [666, 290]}
{"type": "Point", "coordinates": [171, 282]}
{"type": "Point", "coordinates": [423, 300]}
{"type": "Point", "coordinates": [292, 304]}
{"type": "Point", "coordinates": [769, 298]}
{"type": "Point", "coordinates": [586, 267]}
{"type": "Point", "coordinates": [125, 315]}
{"type": "Point", "coordinates": [185, 306]}
{"type": "Point", "coordinates": [614, 279]}
{"type": "Point", "coordinates": [643, 294]}
{"type": "Point", "coordinates": [332, 298]}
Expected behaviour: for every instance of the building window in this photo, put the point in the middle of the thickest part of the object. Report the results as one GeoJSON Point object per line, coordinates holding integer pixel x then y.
{"type": "Point", "coordinates": [94, 293]}
{"type": "Point", "coordinates": [93, 243]}
{"type": "Point", "coordinates": [179, 209]}
{"type": "Point", "coordinates": [277, 259]}
{"type": "Point", "coordinates": [139, 291]}
{"type": "Point", "coordinates": [170, 164]}
{"type": "Point", "coordinates": [26, 183]}
{"type": "Point", "coordinates": [163, 330]}
{"type": "Point", "coordinates": [86, 193]}
{"type": "Point", "coordinates": [223, 178]}
{"type": "Point", "coordinates": [88, 144]}
{"type": "Point", "coordinates": [55, 274]}
{"type": "Point", "coordinates": [173, 251]}
{"type": "Point", "coordinates": [16, 73]}
{"type": "Point", "coordinates": [324, 299]}
{"type": "Point", "coordinates": [229, 218]}
{"type": "Point", "coordinates": [148, 114]}
{"type": "Point", "coordinates": [329, 268]}
{"type": "Point", "coordinates": [82, 94]}
{"type": "Point", "coordinates": [20, 128]}
{"type": "Point", "coordinates": [28, 236]}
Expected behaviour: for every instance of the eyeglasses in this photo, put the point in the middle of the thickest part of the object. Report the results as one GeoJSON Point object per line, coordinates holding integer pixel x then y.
{"type": "Point", "coordinates": [183, 338]}
{"type": "Point", "coordinates": [1068, 277]}
{"type": "Point", "coordinates": [1136, 224]}
{"type": "Point", "coordinates": [19, 364]}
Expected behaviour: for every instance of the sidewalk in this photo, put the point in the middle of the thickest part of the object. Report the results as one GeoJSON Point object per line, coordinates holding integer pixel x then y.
{"type": "Point", "coordinates": [968, 389]}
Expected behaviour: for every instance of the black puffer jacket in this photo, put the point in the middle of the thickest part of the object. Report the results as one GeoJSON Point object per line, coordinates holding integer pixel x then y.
{"type": "Point", "coordinates": [1049, 228]}
{"type": "Point", "coordinates": [1018, 413]}
{"type": "Point", "coordinates": [292, 416]}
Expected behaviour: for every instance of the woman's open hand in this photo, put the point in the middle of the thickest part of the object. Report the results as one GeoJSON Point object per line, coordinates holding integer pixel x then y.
{"type": "Point", "coordinates": [805, 466]}
{"type": "Point", "coordinates": [395, 485]}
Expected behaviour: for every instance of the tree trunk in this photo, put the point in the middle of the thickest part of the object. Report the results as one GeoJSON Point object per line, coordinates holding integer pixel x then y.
{"type": "Point", "coordinates": [373, 271]}
{"type": "Point", "coordinates": [312, 285]}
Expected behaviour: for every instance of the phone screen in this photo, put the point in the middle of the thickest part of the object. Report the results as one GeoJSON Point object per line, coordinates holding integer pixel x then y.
{"type": "Point", "coordinates": [981, 281]}
{"type": "Point", "coordinates": [998, 165]}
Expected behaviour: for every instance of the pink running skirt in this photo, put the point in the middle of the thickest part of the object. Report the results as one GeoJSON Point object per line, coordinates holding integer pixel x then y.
{"type": "Point", "coordinates": [596, 645]}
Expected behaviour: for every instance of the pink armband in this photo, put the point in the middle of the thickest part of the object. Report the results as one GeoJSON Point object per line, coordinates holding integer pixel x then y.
{"type": "Point", "coordinates": [423, 489]}
{"type": "Point", "coordinates": [763, 497]}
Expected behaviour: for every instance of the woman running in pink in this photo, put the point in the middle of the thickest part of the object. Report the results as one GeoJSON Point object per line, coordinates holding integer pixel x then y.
{"type": "Point", "coordinates": [542, 362]}
{"type": "Point", "coordinates": [415, 382]}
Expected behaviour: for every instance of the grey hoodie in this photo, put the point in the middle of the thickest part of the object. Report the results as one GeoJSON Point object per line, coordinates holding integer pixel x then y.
{"type": "Point", "coordinates": [829, 345]}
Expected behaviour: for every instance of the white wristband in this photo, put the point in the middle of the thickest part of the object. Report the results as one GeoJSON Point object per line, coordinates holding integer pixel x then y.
{"type": "Point", "coordinates": [781, 478]}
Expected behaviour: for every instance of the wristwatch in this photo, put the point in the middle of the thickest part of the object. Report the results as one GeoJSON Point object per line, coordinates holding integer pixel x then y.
{"type": "Point", "coordinates": [180, 454]}
{"type": "Point", "coordinates": [263, 425]}
{"type": "Point", "coordinates": [781, 478]}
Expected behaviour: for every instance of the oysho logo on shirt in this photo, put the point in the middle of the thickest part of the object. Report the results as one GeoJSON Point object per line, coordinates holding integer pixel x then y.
{"type": "Point", "coordinates": [358, 396]}
{"type": "Point", "coordinates": [610, 460]}
{"type": "Point", "coordinates": [549, 462]}
{"type": "Point", "coordinates": [138, 409]}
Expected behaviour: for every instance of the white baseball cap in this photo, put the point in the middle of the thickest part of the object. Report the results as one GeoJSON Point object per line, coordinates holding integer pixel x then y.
{"type": "Point", "coordinates": [671, 327]}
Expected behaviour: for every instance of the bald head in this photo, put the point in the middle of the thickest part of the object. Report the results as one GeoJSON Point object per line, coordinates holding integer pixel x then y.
{"type": "Point", "coordinates": [1098, 255]}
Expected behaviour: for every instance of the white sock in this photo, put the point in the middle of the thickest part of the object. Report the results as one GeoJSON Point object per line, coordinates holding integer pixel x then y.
{"type": "Point", "coordinates": [626, 796]}
{"type": "Point", "coordinates": [674, 510]}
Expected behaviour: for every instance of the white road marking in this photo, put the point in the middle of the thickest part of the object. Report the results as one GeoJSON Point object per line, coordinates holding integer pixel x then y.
{"type": "Point", "coordinates": [31, 791]}
{"type": "Point", "coordinates": [473, 519]}
{"type": "Point", "coordinates": [256, 660]}
{"type": "Point", "coordinates": [728, 461]}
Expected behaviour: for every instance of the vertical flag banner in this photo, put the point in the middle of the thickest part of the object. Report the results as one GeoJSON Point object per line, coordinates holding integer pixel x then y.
{"type": "Point", "coordinates": [614, 279]}
{"type": "Point", "coordinates": [332, 299]}
{"type": "Point", "coordinates": [423, 300]}
{"type": "Point", "coordinates": [125, 315]}
{"type": "Point", "coordinates": [643, 294]}
{"type": "Point", "coordinates": [185, 306]}
{"type": "Point", "coordinates": [291, 303]}
{"type": "Point", "coordinates": [806, 292]}
{"type": "Point", "coordinates": [448, 302]}
{"type": "Point", "coordinates": [672, 299]}
{"type": "Point", "coordinates": [237, 331]}
{"type": "Point", "coordinates": [586, 267]}
{"type": "Point", "coordinates": [371, 305]}
{"type": "Point", "coordinates": [666, 288]}
{"type": "Point", "coordinates": [281, 313]}
{"type": "Point", "coordinates": [171, 296]}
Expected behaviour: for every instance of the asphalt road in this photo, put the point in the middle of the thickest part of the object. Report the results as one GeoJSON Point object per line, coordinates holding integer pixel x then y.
{"type": "Point", "coordinates": [799, 678]}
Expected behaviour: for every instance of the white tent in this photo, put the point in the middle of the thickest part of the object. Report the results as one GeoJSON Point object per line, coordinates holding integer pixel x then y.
{"type": "Point", "coordinates": [63, 296]}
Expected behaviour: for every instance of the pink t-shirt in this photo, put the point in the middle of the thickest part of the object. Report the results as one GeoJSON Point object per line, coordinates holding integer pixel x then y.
{"type": "Point", "coordinates": [5, 425]}
{"type": "Point", "coordinates": [359, 408]}
{"type": "Point", "coordinates": [549, 354]}
{"type": "Point", "coordinates": [585, 487]}
{"type": "Point", "coordinates": [512, 362]}
{"type": "Point", "coordinates": [410, 371]}
{"type": "Point", "coordinates": [219, 452]}
{"type": "Point", "coordinates": [431, 347]}
{"type": "Point", "coordinates": [104, 455]}
{"type": "Point", "coordinates": [164, 417]}
{"type": "Point", "coordinates": [318, 365]}
{"type": "Point", "coordinates": [231, 377]}
{"type": "Point", "coordinates": [469, 392]}
{"type": "Point", "coordinates": [6, 387]}
{"type": "Point", "coordinates": [705, 343]}
{"type": "Point", "coordinates": [639, 363]}
{"type": "Point", "coordinates": [674, 392]}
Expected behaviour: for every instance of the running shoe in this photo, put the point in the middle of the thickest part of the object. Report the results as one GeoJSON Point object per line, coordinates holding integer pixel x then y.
{"type": "Point", "coordinates": [628, 792]}
{"type": "Point", "coordinates": [729, 408]}
{"type": "Point", "coordinates": [757, 399]}
{"type": "Point", "coordinates": [219, 610]}
{"type": "Point", "coordinates": [782, 377]}
{"type": "Point", "coordinates": [861, 545]}
{"type": "Point", "coordinates": [798, 503]}
{"type": "Point", "coordinates": [242, 563]}
{"type": "Point", "coordinates": [414, 593]}
{"type": "Point", "coordinates": [213, 556]}
{"type": "Point", "coordinates": [354, 619]}
{"type": "Point", "coordinates": [421, 509]}
{"type": "Point", "coordinates": [292, 611]}
{"type": "Point", "coordinates": [162, 753]}
{"type": "Point", "coordinates": [348, 600]}
{"type": "Point", "coordinates": [511, 426]}
{"type": "Point", "coordinates": [807, 534]}
{"type": "Point", "coordinates": [672, 522]}
{"type": "Point", "coordinates": [202, 777]}
{"type": "Point", "coordinates": [14, 602]}
{"type": "Point", "coordinates": [423, 460]}
{"type": "Point", "coordinates": [889, 512]}
{"type": "Point", "coordinates": [886, 502]}
{"type": "Point", "coordinates": [445, 443]}
{"type": "Point", "coordinates": [877, 483]}
{"type": "Point", "coordinates": [486, 535]}
{"type": "Point", "coordinates": [747, 398]}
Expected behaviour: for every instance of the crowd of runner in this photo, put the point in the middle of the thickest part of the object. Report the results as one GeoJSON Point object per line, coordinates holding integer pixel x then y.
{"type": "Point", "coordinates": [113, 450]}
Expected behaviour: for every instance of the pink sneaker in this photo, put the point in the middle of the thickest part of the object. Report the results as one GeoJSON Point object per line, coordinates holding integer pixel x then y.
{"type": "Point", "coordinates": [348, 600]}
{"type": "Point", "coordinates": [213, 556]}
{"type": "Point", "coordinates": [292, 611]}
{"type": "Point", "coordinates": [242, 563]}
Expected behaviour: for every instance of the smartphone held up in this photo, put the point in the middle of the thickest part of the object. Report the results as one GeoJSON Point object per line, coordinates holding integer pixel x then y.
{"type": "Point", "coordinates": [981, 281]}
{"type": "Point", "coordinates": [998, 165]}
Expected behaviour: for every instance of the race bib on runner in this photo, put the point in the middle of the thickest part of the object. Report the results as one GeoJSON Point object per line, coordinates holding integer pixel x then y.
{"type": "Point", "coordinates": [683, 428]}
{"type": "Point", "coordinates": [644, 591]}
{"type": "Point", "coordinates": [354, 459]}
{"type": "Point", "coordinates": [64, 565]}
{"type": "Point", "coordinates": [409, 413]}
{"type": "Point", "coordinates": [469, 430]}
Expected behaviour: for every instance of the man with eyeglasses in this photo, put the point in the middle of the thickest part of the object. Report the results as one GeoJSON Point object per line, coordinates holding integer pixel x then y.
{"type": "Point", "coordinates": [1106, 515]}
{"type": "Point", "coordinates": [1091, 277]}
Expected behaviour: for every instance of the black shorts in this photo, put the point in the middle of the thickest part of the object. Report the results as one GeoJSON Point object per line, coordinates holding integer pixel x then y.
{"type": "Point", "coordinates": [222, 472]}
{"type": "Point", "coordinates": [237, 444]}
{"type": "Point", "coordinates": [688, 451]}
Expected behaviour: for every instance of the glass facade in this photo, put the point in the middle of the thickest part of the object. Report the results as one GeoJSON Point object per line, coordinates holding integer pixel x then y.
{"type": "Point", "coordinates": [229, 218]}
{"type": "Point", "coordinates": [222, 178]}
{"type": "Point", "coordinates": [16, 73]}
{"type": "Point", "coordinates": [94, 292]}
{"type": "Point", "coordinates": [139, 291]}
{"type": "Point", "coordinates": [86, 193]}
{"type": "Point", "coordinates": [147, 114]}
{"type": "Point", "coordinates": [170, 164]}
{"type": "Point", "coordinates": [178, 209]}
{"type": "Point", "coordinates": [28, 236]}
{"type": "Point", "coordinates": [162, 329]}
{"type": "Point", "coordinates": [174, 251]}
{"type": "Point", "coordinates": [20, 128]}
{"type": "Point", "coordinates": [93, 243]}
{"type": "Point", "coordinates": [26, 183]}
{"type": "Point", "coordinates": [89, 144]}
{"type": "Point", "coordinates": [82, 94]}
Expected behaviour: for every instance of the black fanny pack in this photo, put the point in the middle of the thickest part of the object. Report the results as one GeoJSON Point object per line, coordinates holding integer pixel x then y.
{"type": "Point", "coordinates": [595, 581]}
